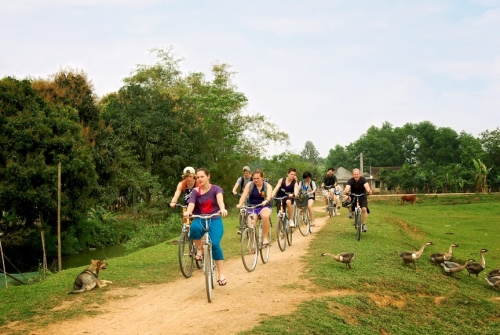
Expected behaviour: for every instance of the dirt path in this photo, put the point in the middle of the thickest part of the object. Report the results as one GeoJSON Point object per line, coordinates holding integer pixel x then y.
{"type": "Point", "coordinates": [271, 289]}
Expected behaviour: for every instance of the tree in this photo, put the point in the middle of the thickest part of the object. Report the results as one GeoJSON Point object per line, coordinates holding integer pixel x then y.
{"type": "Point", "coordinates": [339, 157]}
{"type": "Point", "coordinates": [490, 141]}
{"type": "Point", "coordinates": [310, 153]}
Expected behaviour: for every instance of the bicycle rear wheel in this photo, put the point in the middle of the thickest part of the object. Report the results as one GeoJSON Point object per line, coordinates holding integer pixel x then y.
{"type": "Point", "coordinates": [186, 256]}
{"type": "Point", "coordinates": [265, 251]}
{"type": "Point", "coordinates": [209, 274]}
{"type": "Point", "coordinates": [249, 250]}
{"type": "Point", "coordinates": [289, 235]}
{"type": "Point", "coordinates": [357, 224]}
{"type": "Point", "coordinates": [281, 234]}
{"type": "Point", "coordinates": [304, 221]}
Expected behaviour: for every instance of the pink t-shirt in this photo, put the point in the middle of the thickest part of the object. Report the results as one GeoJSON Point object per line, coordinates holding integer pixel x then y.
{"type": "Point", "coordinates": [207, 202]}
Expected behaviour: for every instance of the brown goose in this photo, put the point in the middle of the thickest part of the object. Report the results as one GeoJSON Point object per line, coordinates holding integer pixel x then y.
{"type": "Point", "coordinates": [494, 282]}
{"type": "Point", "coordinates": [343, 257]}
{"type": "Point", "coordinates": [412, 256]}
{"type": "Point", "coordinates": [476, 267]}
{"type": "Point", "coordinates": [452, 267]}
{"type": "Point", "coordinates": [439, 258]}
{"type": "Point", "coordinates": [494, 273]}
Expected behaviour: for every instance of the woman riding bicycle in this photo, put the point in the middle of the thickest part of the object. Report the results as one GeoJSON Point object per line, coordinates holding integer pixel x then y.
{"type": "Point", "coordinates": [259, 193]}
{"type": "Point", "coordinates": [308, 187]}
{"type": "Point", "coordinates": [208, 199]}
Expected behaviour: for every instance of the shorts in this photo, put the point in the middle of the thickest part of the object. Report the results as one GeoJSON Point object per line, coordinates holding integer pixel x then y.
{"type": "Point", "coordinates": [258, 209]}
{"type": "Point", "coordinates": [278, 203]}
{"type": "Point", "coordinates": [363, 202]}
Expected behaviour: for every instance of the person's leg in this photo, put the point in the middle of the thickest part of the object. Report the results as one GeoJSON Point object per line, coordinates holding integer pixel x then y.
{"type": "Point", "coordinates": [289, 207]}
{"type": "Point", "coordinates": [265, 214]}
{"type": "Point", "coordinates": [196, 233]}
{"type": "Point", "coordinates": [216, 231]}
{"type": "Point", "coordinates": [310, 204]}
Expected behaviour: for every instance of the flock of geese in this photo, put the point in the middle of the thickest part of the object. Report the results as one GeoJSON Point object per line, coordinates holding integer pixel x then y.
{"type": "Point", "coordinates": [442, 259]}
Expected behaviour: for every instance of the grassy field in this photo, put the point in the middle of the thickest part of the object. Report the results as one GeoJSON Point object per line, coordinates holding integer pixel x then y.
{"type": "Point", "coordinates": [383, 297]}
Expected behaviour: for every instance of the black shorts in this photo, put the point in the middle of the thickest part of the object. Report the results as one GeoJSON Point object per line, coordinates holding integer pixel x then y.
{"type": "Point", "coordinates": [278, 203]}
{"type": "Point", "coordinates": [363, 202]}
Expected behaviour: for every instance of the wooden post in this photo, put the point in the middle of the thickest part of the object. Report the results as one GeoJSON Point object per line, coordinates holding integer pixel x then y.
{"type": "Point", "coordinates": [44, 255]}
{"type": "Point", "coordinates": [3, 263]}
{"type": "Point", "coordinates": [59, 260]}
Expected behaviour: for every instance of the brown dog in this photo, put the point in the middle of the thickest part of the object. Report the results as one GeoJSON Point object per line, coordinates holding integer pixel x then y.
{"type": "Point", "coordinates": [89, 279]}
{"type": "Point", "coordinates": [408, 198]}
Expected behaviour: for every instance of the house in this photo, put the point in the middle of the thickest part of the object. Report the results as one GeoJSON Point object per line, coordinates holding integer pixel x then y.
{"type": "Point", "coordinates": [376, 183]}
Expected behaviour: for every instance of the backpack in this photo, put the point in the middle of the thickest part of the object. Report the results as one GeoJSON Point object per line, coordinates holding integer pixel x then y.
{"type": "Point", "coordinates": [242, 180]}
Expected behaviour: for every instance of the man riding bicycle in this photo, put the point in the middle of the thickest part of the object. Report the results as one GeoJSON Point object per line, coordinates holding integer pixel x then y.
{"type": "Point", "coordinates": [288, 186]}
{"type": "Point", "coordinates": [329, 180]}
{"type": "Point", "coordinates": [359, 185]}
{"type": "Point", "coordinates": [242, 180]}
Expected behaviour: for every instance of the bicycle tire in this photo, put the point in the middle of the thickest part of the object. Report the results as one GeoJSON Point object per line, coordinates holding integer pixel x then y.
{"type": "Point", "coordinates": [281, 234]}
{"type": "Point", "coordinates": [357, 224]}
{"type": "Point", "coordinates": [265, 251]}
{"type": "Point", "coordinates": [310, 223]}
{"type": "Point", "coordinates": [209, 275]}
{"type": "Point", "coordinates": [304, 222]}
{"type": "Point", "coordinates": [249, 250]}
{"type": "Point", "coordinates": [185, 254]}
{"type": "Point", "coordinates": [289, 235]}
{"type": "Point", "coordinates": [330, 207]}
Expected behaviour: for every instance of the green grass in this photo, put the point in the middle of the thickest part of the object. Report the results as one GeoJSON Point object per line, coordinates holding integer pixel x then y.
{"type": "Point", "coordinates": [381, 296]}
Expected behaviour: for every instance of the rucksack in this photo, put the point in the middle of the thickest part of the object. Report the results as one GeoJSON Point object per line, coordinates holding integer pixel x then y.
{"type": "Point", "coordinates": [242, 180]}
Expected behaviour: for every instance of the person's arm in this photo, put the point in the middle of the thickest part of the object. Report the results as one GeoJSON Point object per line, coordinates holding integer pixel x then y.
{"type": "Point", "coordinates": [244, 195]}
{"type": "Point", "coordinates": [296, 189]}
{"type": "Point", "coordinates": [235, 187]}
{"type": "Point", "coordinates": [220, 202]}
{"type": "Point", "coordinates": [176, 195]}
{"type": "Point", "coordinates": [276, 189]}
{"type": "Point", "coordinates": [368, 188]}
{"type": "Point", "coordinates": [347, 189]}
{"type": "Point", "coordinates": [313, 187]}
{"type": "Point", "coordinates": [269, 193]}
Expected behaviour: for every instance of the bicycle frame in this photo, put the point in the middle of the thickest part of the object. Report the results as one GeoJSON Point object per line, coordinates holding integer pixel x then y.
{"type": "Point", "coordinates": [331, 202]}
{"type": "Point", "coordinates": [357, 214]}
{"type": "Point", "coordinates": [252, 240]}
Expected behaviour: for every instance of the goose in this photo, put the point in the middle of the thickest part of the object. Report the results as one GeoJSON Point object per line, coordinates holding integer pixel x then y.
{"type": "Point", "coordinates": [452, 267]}
{"type": "Point", "coordinates": [343, 257]}
{"type": "Point", "coordinates": [412, 256]}
{"type": "Point", "coordinates": [494, 282]}
{"type": "Point", "coordinates": [440, 257]}
{"type": "Point", "coordinates": [476, 267]}
{"type": "Point", "coordinates": [494, 273]}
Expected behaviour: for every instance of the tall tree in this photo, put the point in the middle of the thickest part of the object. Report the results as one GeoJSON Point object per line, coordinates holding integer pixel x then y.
{"type": "Point", "coordinates": [310, 153]}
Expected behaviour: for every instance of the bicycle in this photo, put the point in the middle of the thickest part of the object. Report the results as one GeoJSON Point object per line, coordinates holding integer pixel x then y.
{"type": "Point", "coordinates": [303, 219]}
{"type": "Point", "coordinates": [252, 241]}
{"type": "Point", "coordinates": [186, 250]}
{"type": "Point", "coordinates": [332, 206]}
{"type": "Point", "coordinates": [357, 214]}
{"type": "Point", "coordinates": [284, 231]}
{"type": "Point", "coordinates": [208, 263]}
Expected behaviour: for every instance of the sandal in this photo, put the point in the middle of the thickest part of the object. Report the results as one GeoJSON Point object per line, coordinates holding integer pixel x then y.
{"type": "Point", "coordinates": [222, 282]}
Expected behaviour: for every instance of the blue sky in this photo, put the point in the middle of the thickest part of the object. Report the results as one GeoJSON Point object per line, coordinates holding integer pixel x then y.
{"type": "Point", "coordinates": [324, 71]}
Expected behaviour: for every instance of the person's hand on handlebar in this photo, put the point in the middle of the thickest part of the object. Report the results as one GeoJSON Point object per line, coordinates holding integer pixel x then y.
{"type": "Point", "coordinates": [223, 212]}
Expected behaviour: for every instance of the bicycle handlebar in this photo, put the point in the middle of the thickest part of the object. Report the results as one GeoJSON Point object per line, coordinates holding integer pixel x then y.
{"type": "Point", "coordinates": [204, 216]}
{"type": "Point", "coordinates": [177, 205]}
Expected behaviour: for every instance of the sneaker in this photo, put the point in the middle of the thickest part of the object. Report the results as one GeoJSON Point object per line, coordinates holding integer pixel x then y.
{"type": "Point", "coordinates": [350, 215]}
{"type": "Point", "coordinates": [363, 228]}
{"type": "Point", "coordinates": [291, 224]}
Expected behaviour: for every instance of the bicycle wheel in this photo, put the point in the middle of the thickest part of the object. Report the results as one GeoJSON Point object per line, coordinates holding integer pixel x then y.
{"type": "Point", "coordinates": [289, 234]}
{"type": "Point", "coordinates": [304, 221]}
{"type": "Point", "coordinates": [357, 224]}
{"type": "Point", "coordinates": [209, 274]}
{"type": "Point", "coordinates": [310, 223]}
{"type": "Point", "coordinates": [281, 234]}
{"type": "Point", "coordinates": [330, 207]}
{"type": "Point", "coordinates": [242, 222]}
{"type": "Point", "coordinates": [249, 250]}
{"type": "Point", "coordinates": [265, 251]}
{"type": "Point", "coordinates": [184, 251]}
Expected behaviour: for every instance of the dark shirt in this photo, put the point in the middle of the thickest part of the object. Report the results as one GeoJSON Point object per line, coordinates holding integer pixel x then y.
{"type": "Point", "coordinates": [329, 181]}
{"type": "Point", "coordinates": [357, 187]}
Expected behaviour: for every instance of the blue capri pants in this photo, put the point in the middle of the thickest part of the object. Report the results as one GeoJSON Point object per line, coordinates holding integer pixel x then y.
{"type": "Point", "coordinates": [215, 229]}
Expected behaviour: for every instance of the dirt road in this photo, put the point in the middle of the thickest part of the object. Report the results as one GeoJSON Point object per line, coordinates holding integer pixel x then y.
{"type": "Point", "coordinates": [181, 307]}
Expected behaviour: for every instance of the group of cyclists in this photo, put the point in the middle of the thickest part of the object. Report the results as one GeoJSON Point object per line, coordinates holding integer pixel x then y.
{"type": "Point", "coordinates": [202, 197]}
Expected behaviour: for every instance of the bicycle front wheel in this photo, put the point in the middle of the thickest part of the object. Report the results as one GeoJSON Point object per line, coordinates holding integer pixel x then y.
{"type": "Point", "coordinates": [186, 256]}
{"type": "Point", "coordinates": [249, 251]}
{"type": "Point", "coordinates": [330, 208]}
{"type": "Point", "coordinates": [209, 271]}
{"type": "Point", "coordinates": [357, 224]}
{"type": "Point", "coordinates": [304, 222]}
{"type": "Point", "coordinates": [289, 233]}
{"type": "Point", "coordinates": [281, 234]}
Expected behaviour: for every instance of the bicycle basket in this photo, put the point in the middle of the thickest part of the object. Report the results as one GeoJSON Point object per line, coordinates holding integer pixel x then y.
{"type": "Point", "coordinates": [302, 200]}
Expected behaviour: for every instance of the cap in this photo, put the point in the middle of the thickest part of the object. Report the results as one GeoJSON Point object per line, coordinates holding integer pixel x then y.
{"type": "Point", "coordinates": [188, 170]}
{"type": "Point", "coordinates": [246, 168]}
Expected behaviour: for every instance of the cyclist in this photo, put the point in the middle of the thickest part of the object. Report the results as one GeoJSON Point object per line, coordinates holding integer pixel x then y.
{"type": "Point", "coordinates": [259, 193]}
{"type": "Point", "coordinates": [288, 186]}
{"type": "Point", "coordinates": [186, 185]}
{"type": "Point", "coordinates": [242, 180]}
{"type": "Point", "coordinates": [208, 199]}
{"type": "Point", "coordinates": [329, 180]}
{"type": "Point", "coordinates": [308, 186]}
{"type": "Point", "coordinates": [359, 185]}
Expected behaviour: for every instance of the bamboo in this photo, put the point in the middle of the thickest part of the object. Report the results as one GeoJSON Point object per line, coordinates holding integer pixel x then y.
{"type": "Point", "coordinates": [3, 263]}
{"type": "Point", "coordinates": [44, 255]}
{"type": "Point", "coordinates": [59, 260]}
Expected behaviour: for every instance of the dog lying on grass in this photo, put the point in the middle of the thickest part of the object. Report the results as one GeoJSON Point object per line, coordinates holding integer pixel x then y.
{"type": "Point", "coordinates": [89, 279]}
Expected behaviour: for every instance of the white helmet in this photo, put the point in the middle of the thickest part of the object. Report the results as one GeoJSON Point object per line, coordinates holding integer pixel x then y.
{"type": "Point", "coordinates": [188, 170]}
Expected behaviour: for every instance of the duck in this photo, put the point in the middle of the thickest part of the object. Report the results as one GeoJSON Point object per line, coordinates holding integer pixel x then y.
{"type": "Point", "coordinates": [452, 267]}
{"type": "Point", "coordinates": [343, 257]}
{"type": "Point", "coordinates": [494, 281]}
{"type": "Point", "coordinates": [440, 257]}
{"type": "Point", "coordinates": [476, 267]}
{"type": "Point", "coordinates": [412, 256]}
{"type": "Point", "coordinates": [494, 273]}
